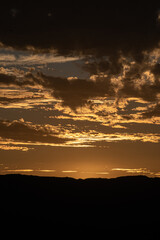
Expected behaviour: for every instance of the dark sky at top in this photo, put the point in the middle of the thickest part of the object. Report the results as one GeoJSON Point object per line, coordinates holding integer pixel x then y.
{"type": "Point", "coordinates": [107, 29]}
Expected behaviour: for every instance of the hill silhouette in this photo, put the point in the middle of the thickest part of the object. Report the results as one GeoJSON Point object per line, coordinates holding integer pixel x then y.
{"type": "Point", "coordinates": [115, 205]}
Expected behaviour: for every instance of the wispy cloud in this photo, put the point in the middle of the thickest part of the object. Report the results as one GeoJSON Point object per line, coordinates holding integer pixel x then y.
{"type": "Point", "coordinates": [19, 170]}
{"type": "Point", "coordinates": [29, 170]}
{"type": "Point", "coordinates": [13, 57]}
{"type": "Point", "coordinates": [135, 170]}
{"type": "Point", "coordinates": [46, 170]}
{"type": "Point", "coordinates": [11, 147]}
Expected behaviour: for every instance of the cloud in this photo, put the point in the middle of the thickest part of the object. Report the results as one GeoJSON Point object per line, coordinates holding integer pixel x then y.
{"type": "Point", "coordinates": [130, 79]}
{"type": "Point", "coordinates": [108, 65]}
{"type": "Point", "coordinates": [120, 45]}
{"type": "Point", "coordinates": [62, 88]}
{"type": "Point", "coordinates": [152, 112]}
{"type": "Point", "coordinates": [74, 92]}
{"type": "Point", "coordinates": [107, 37]}
{"type": "Point", "coordinates": [24, 136]}
{"type": "Point", "coordinates": [41, 101]}
{"type": "Point", "coordinates": [107, 115]}
{"type": "Point", "coordinates": [19, 170]}
{"type": "Point", "coordinates": [156, 70]}
{"type": "Point", "coordinates": [13, 79]}
{"type": "Point", "coordinates": [126, 28]}
{"type": "Point", "coordinates": [12, 57]}
{"type": "Point", "coordinates": [134, 170]}
{"type": "Point", "coordinates": [138, 81]}
{"type": "Point", "coordinates": [97, 100]}
{"type": "Point", "coordinates": [18, 148]}
{"type": "Point", "coordinates": [29, 170]}
{"type": "Point", "coordinates": [21, 131]}
{"type": "Point", "coordinates": [7, 79]}
{"type": "Point", "coordinates": [8, 101]}
{"type": "Point", "coordinates": [103, 98]}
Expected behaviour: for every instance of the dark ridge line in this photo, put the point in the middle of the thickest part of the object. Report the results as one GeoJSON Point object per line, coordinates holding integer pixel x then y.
{"type": "Point", "coordinates": [81, 179]}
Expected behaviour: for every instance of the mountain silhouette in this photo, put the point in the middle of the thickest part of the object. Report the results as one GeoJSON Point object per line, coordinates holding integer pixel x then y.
{"type": "Point", "coordinates": [115, 205]}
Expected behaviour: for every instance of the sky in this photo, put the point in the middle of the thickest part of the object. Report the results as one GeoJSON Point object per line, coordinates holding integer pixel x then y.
{"type": "Point", "coordinates": [80, 90]}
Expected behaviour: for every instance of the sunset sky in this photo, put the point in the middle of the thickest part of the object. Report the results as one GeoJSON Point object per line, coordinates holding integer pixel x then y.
{"type": "Point", "coordinates": [80, 90]}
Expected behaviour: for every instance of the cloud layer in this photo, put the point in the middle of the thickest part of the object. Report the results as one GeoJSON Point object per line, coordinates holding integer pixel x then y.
{"type": "Point", "coordinates": [136, 81]}
{"type": "Point", "coordinates": [121, 57]}
{"type": "Point", "coordinates": [21, 131]}
{"type": "Point", "coordinates": [120, 47]}
{"type": "Point", "coordinates": [105, 26]}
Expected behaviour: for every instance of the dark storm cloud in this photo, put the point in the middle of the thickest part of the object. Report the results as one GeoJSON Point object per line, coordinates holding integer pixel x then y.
{"type": "Point", "coordinates": [91, 30]}
{"type": "Point", "coordinates": [24, 131]}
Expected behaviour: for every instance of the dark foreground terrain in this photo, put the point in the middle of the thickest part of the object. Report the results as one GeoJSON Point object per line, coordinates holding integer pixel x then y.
{"type": "Point", "coordinates": [124, 206]}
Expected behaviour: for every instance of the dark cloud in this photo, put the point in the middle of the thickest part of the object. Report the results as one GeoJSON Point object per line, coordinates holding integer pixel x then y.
{"type": "Point", "coordinates": [8, 79]}
{"type": "Point", "coordinates": [146, 92]}
{"type": "Point", "coordinates": [21, 131]}
{"type": "Point", "coordinates": [90, 30]}
{"type": "Point", "coordinates": [127, 117]}
{"type": "Point", "coordinates": [110, 66]}
{"type": "Point", "coordinates": [156, 70]}
{"type": "Point", "coordinates": [152, 112]}
{"type": "Point", "coordinates": [76, 92]}
{"type": "Point", "coordinates": [139, 83]}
